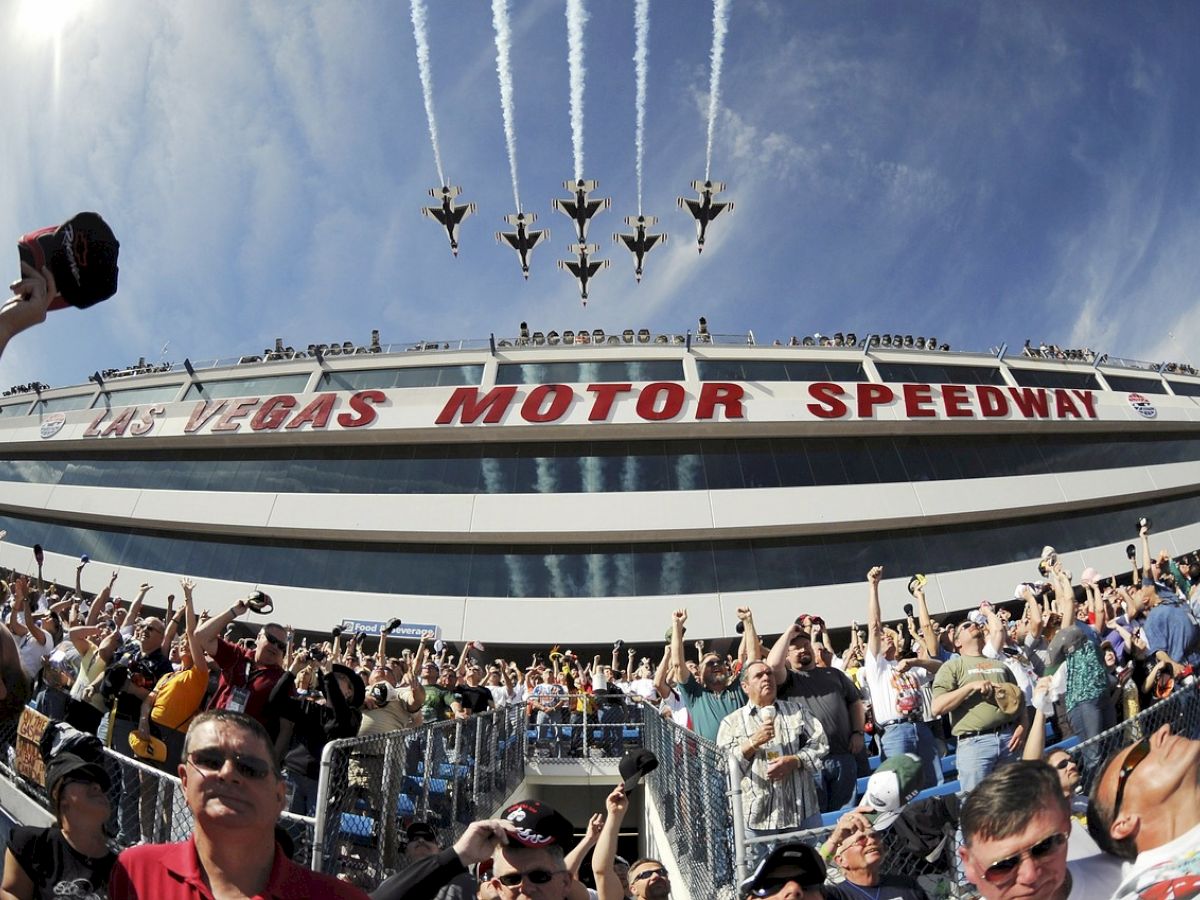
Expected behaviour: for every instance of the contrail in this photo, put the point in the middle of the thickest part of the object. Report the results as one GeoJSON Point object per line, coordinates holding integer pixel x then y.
{"type": "Point", "coordinates": [421, 33]}
{"type": "Point", "coordinates": [576, 19]}
{"type": "Point", "coordinates": [504, 73]}
{"type": "Point", "coordinates": [641, 24]}
{"type": "Point", "coordinates": [720, 27]}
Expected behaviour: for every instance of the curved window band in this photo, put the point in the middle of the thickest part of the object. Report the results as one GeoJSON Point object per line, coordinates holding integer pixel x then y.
{"type": "Point", "coordinates": [596, 570]}
{"type": "Point", "coordinates": [605, 466]}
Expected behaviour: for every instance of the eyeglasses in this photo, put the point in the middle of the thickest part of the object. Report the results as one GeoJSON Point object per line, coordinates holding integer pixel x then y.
{"type": "Point", "coordinates": [1132, 760]}
{"type": "Point", "coordinates": [650, 873]}
{"type": "Point", "coordinates": [537, 876]}
{"type": "Point", "coordinates": [211, 760]}
{"type": "Point", "coordinates": [1003, 870]}
{"type": "Point", "coordinates": [275, 642]}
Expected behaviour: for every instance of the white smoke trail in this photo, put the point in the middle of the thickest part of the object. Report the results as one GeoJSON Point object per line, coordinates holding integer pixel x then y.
{"type": "Point", "coordinates": [504, 73]}
{"type": "Point", "coordinates": [641, 25]}
{"type": "Point", "coordinates": [576, 18]}
{"type": "Point", "coordinates": [421, 34]}
{"type": "Point", "coordinates": [720, 27]}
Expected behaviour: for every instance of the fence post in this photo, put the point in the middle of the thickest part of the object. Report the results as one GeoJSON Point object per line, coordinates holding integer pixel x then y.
{"type": "Point", "coordinates": [739, 829]}
{"type": "Point", "coordinates": [321, 825]}
{"type": "Point", "coordinates": [583, 702]}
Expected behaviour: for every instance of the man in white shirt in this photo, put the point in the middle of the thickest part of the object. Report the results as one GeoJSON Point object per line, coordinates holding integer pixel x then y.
{"type": "Point", "coordinates": [899, 689]}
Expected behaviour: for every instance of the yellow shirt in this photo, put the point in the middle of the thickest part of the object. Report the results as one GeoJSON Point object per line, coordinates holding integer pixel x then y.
{"type": "Point", "coordinates": [179, 697]}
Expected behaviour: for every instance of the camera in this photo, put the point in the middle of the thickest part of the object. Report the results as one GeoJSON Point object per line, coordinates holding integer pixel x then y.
{"type": "Point", "coordinates": [382, 693]}
{"type": "Point", "coordinates": [316, 654]}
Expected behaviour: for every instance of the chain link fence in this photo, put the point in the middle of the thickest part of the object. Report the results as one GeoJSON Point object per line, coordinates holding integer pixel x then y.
{"type": "Point", "coordinates": [690, 788]}
{"type": "Point", "coordinates": [447, 774]}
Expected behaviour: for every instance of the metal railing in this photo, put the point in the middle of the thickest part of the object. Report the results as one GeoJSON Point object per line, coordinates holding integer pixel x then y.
{"type": "Point", "coordinates": [447, 774]}
{"type": "Point", "coordinates": [585, 726]}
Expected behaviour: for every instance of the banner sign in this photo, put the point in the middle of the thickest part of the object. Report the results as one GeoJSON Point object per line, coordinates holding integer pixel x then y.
{"type": "Point", "coordinates": [407, 631]}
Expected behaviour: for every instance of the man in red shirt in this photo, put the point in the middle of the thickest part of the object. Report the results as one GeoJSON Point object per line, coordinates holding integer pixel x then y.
{"type": "Point", "coordinates": [248, 678]}
{"type": "Point", "coordinates": [235, 792]}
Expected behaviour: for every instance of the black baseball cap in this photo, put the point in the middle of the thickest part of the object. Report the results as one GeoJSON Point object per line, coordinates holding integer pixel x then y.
{"type": "Point", "coordinates": [82, 255]}
{"type": "Point", "coordinates": [538, 825]}
{"type": "Point", "coordinates": [635, 765]}
{"type": "Point", "coordinates": [788, 862]}
{"type": "Point", "coordinates": [421, 830]}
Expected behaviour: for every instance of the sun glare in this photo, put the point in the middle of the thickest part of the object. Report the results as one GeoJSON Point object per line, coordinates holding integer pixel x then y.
{"type": "Point", "coordinates": [47, 18]}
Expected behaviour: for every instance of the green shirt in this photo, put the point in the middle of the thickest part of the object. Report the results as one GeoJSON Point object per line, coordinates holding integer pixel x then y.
{"type": "Point", "coordinates": [709, 708]}
{"type": "Point", "coordinates": [437, 703]}
{"type": "Point", "coordinates": [975, 713]}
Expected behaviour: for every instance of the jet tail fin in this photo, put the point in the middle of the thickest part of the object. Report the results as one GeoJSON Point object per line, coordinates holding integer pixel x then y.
{"type": "Point", "coordinates": [516, 219]}
{"type": "Point", "coordinates": [582, 185]}
{"type": "Point", "coordinates": [714, 186]}
{"type": "Point", "coordinates": [583, 248]}
{"type": "Point", "coordinates": [450, 191]}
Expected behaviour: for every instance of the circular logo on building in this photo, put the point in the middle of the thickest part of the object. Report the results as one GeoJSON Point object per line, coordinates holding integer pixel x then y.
{"type": "Point", "coordinates": [52, 424]}
{"type": "Point", "coordinates": [1142, 406]}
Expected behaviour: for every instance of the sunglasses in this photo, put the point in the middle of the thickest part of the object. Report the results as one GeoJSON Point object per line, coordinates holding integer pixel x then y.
{"type": "Point", "coordinates": [1063, 763]}
{"type": "Point", "coordinates": [1132, 760]}
{"type": "Point", "coordinates": [1003, 870]}
{"type": "Point", "coordinates": [275, 642]}
{"type": "Point", "coordinates": [212, 760]}
{"type": "Point", "coordinates": [650, 873]}
{"type": "Point", "coordinates": [537, 876]}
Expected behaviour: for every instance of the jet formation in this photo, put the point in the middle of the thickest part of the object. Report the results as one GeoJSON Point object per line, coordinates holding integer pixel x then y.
{"type": "Point", "coordinates": [584, 268]}
{"type": "Point", "coordinates": [640, 242]}
{"type": "Point", "coordinates": [522, 240]}
{"type": "Point", "coordinates": [449, 215]}
{"type": "Point", "coordinates": [580, 209]}
{"type": "Point", "coordinates": [704, 210]}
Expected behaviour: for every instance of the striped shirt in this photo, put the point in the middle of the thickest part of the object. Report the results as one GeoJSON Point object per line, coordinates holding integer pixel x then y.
{"type": "Point", "coordinates": [788, 802]}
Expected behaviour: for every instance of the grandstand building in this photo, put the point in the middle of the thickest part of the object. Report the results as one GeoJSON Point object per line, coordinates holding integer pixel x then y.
{"type": "Point", "coordinates": [531, 490]}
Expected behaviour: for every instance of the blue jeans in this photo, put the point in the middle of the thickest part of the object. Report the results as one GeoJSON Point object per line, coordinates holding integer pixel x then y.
{"type": "Point", "coordinates": [912, 737]}
{"type": "Point", "coordinates": [1088, 718]}
{"type": "Point", "coordinates": [838, 778]}
{"type": "Point", "coordinates": [979, 756]}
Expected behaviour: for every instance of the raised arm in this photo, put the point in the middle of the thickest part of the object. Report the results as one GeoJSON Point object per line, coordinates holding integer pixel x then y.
{"type": "Point", "coordinates": [777, 658]}
{"type": "Point", "coordinates": [874, 616]}
{"type": "Point", "coordinates": [750, 639]}
{"type": "Point", "coordinates": [97, 607]}
{"type": "Point", "coordinates": [995, 629]}
{"type": "Point", "coordinates": [208, 633]}
{"type": "Point", "coordinates": [662, 675]}
{"type": "Point", "coordinates": [135, 608]}
{"type": "Point", "coordinates": [195, 647]}
{"type": "Point", "coordinates": [929, 638]}
{"type": "Point", "coordinates": [608, 886]}
{"type": "Point", "coordinates": [678, 620]}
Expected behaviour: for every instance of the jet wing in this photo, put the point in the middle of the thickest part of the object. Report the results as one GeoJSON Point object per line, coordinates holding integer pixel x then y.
{"type": "Point", "coordinates": [570, 207]}
{"type": "Point", "coordinates": [533, 238]}
{"type": "Point", "coordinates": [594, 206]}
{"type": "Point", "coordinates": [629, 240]}
{"type": "Point", "coordinates": [509, 237]}
{"type": "Point", "coordinates": [692, 206]}
{"type": "Point", "coordinates": [435, 212]}
{"type": "Point", "coordinates": [573, 267]}
{"type": "Point", "coordinates": [652, 239]}
{"type": "Point", "coordinates": [461, 212]}
{"type": "Point", "coordinates": [717, 208]}
{"type": "Point", "coordinates": [594, 267]}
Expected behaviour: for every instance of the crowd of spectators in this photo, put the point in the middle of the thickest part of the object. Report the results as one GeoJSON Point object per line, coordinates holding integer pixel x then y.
{"type": "Point", "coordinates": [249, 718]}
{"type": "Point", "coordinates": [1053, 351]}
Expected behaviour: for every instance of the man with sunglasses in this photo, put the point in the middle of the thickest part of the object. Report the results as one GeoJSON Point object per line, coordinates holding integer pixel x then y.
{"type": "Point", "coordinates": [235, 792]}
{"type": "Point", "coordinates": [713, 695]}
{"type": "Point", "coordinates": [987, 717]}
{"type": "Point", "coordinates": [1145, 808]}
{"type": "Point", "coordinates": [248, 677]}
{"type": "Point", "coordinates": [1016, 825]}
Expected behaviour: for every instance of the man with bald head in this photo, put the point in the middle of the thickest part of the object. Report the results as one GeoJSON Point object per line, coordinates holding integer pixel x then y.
{"type": "Point", "coordinates": [1145, 808]}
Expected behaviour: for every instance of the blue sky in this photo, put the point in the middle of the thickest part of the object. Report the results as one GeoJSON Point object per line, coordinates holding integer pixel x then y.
{"type": "Point", "coordinates": [983, 172]}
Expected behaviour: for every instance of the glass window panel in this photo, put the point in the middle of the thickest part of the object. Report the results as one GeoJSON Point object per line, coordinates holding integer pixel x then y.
{"type": "Point", "coordinates": [1138, 385]}
{"type": "Point", "coordinates": [734, 562]}
{"type": "Point", "coordinates": [409, 376]}
{"type": "Point", "coordinates": [64, 404]}
{"type": "Point", "coordinates": [590, 371]}
{"type": "Point", "coordinates": [722, 470]}
{"type": "Point", "coordinates": [137, 396]}
{"type": "Point", "coordinates": [757, 463]}
{"type": "Point", "coordinates": [1186, 388]}
{"type": "Point", "coordinates": [498, 470]}
{"type": "Point", "coordinates": [1063, 378]}
{"type": "Point", "coordinates": [685, 466]}
{"type": "Point", "coordinates": [922, 373]}
{"type": "Point", "coordinates": [791, 462]}
{"type": "Point", "coordinates": [888, 465]}
{"type": "Point", "coordinates": [825, 459]}
{"type": "Point", "coordinates": [265, 386]}
{"type": "Point", "coordinates": [860, 469]}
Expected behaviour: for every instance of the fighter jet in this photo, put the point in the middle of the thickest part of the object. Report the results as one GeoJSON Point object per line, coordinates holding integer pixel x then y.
{"type": "Point", "coordinates": [580, 209]}
{"type": "Point", "coordinates": [704, 210]}
{"type": "Point", "coordinates": [521, 240]}
{"type": "Point", "coordinates": [585, 268]}
{"type": "Point", "coordinates": [639, 243]}
{"type": "Point", "coordinates": [449, 215]}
